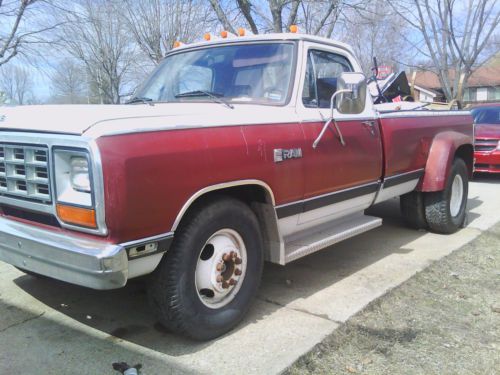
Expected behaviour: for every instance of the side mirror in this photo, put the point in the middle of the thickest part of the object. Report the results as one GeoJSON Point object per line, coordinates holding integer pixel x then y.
{"type": "Point", "coordinates": [352, 93]}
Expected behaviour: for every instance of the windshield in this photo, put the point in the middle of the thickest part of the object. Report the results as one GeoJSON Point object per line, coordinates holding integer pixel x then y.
{"type": "Point", "coordinates": [255, 73]}
{"type": "Point", "coordinates": [486, 115]}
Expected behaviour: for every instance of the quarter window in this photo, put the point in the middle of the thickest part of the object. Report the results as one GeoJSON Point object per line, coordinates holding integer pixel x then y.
{"type": "Point", "coordinates": [323, 69]}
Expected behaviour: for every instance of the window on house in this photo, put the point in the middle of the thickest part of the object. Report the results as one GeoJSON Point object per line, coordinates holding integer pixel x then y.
{"type": "Point", "coordinates": [494, 93]}
{"type": "Point", "coordinates": [470, 94]}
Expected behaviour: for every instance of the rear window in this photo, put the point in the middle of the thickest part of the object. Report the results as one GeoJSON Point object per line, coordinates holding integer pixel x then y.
{"type": "Point", "coordinates": [486, 115]}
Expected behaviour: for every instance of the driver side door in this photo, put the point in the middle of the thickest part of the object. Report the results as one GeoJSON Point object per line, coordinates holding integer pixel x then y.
{"type": "Point", "coordinates": [339, 179]}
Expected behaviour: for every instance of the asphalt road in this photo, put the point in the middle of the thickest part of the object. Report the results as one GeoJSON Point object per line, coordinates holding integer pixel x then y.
{"type": "Point", "coordinates": [54, 328]}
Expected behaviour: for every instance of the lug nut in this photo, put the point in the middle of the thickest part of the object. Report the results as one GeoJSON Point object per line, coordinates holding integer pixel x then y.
{"type": "Point", "coordinates": [237, 272]}
{"type": "Point", "coordinates": [226, 257]}
{"type": "Point", "coordinates": [220, 266]}
{"type": "Point", "coordinates": [232, 282]}
{"type": "Point", "coordinates": [237, 261]}
{"type": "Point", "coordinates": [225, 285]}
{"type": "Point", "coordinates": [233, 254]}
{"type": "Point", "coordinates": [219, 278]}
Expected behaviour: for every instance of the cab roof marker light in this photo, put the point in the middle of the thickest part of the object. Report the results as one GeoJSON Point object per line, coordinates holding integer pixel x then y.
{"type": "Point", "coordinates": [177, 44]}
{"type": "Point", "coordinates": [224, 34]}
{"type": "Point", "coordinates": [294, 29]}
{"type": "Point", "coordinates": [241, 31]}
{"type": "Point", "coordinates": [207, 36]}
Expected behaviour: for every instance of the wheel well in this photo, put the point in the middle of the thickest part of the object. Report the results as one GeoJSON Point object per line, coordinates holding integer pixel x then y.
{"type": "Point", "coordinates": [466, 153]}
{"type": "Point", "coordinates": [259, 199]}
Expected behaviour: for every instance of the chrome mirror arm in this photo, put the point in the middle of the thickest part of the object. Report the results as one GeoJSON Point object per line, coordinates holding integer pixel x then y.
{"type": "Point", "coordinates": [331, 119]}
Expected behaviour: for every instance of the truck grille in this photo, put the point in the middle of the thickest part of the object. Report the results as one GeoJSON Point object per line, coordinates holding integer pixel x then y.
{"type": "Point", "coordinates": [486, 144]}
{"type": "Point", "coordinates": [24, 172]}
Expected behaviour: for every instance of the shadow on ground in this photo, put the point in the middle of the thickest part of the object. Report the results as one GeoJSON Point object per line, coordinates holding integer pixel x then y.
{"type": "Point", "coordinates": [125, 314]}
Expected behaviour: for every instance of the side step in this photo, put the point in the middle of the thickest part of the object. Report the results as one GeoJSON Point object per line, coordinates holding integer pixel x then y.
{"type": "Point", "coordinates": [303, 244]}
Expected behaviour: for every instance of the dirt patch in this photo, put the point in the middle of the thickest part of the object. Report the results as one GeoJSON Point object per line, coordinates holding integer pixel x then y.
{"type": "Point", "coordinates": [445, 320]}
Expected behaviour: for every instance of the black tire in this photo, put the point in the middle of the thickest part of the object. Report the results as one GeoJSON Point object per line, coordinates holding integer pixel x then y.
{"type": "Point", "coordinates": [437, 204]}
{"type": "Point", "coordinates": [172, 288]}
{"type": "Point", "coordinates": [413, 209]}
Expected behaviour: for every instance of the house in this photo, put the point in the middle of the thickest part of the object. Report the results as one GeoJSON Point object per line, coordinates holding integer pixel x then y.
{"type": "Point", "coordinates": [483, 85]}
{"type": "Point", "coordinates": [426, 95]}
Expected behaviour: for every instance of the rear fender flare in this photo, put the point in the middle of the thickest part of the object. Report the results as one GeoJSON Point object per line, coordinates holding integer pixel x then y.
{"type": "Point", "coordinates": [441, 154]}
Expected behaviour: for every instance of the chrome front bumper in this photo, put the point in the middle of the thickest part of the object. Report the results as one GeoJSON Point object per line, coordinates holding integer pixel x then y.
{"type": "Point", "coordinates": [91, 263]}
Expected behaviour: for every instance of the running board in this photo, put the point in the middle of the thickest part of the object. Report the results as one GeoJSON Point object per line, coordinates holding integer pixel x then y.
{"type": "Point", "coordinates": [338, 230]}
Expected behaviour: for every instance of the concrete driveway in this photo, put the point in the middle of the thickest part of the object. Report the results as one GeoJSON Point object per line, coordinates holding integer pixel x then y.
{"type": "Point", "coordinates": [54, 328]}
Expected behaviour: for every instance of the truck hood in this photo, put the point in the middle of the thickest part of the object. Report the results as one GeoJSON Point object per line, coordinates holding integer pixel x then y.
{"type": "Point", "coordinates": [99, 120]}
{"type": "Point", "coordinates": [487, 131]}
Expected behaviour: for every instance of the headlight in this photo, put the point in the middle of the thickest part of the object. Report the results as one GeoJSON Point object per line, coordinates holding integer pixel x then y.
{"type": "Point", "coordinates": [80, 176]}
{"type": "Point", "coordinates": [73, 187]}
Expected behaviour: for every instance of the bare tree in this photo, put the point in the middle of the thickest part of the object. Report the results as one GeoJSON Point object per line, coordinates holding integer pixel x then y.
{"type": "Point", "coordinates": [3, 97]}
{"type": "Point", "coordinates": [69, 83]}
{"type": "Point", "coordinates": [379, 32]}
{"type": "Point", "coordinates": [277, 16]}
{"type": "Point", "coordinates": [17, 84]}
{"type": "Point", "coordinates": [455, 34]}
{"type": "Point", "coordinates": [23, 28]}
{"type": "Point", "coordinates": [95, 36]}
{"type": "Point", "coordinates": [157, 24]}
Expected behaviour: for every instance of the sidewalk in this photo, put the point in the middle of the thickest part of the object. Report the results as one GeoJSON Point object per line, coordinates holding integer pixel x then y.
{"type": "Point", "coordinates": [445, 320]}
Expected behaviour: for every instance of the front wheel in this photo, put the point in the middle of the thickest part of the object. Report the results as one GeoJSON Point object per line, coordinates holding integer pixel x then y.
{"type": "Point", "coordinates": [205, 283]}
{"type": "Point", "coordinates": [445, 211]}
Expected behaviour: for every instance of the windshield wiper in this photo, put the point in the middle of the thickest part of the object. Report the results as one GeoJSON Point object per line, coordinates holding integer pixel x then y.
{"type": "Point", "coordinates": [140, 99]}
{"type": "Point", "coordinates": [214, 96]}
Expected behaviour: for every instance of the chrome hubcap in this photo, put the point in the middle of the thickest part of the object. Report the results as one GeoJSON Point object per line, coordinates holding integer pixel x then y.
{"type": "Point", "coordinates": [220, 269]}
{"type": "Point", "coordinates": [457, 194]}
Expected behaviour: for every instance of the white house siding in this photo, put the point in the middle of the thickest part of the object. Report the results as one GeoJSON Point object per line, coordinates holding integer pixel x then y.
{"type": "Point", "coordinates": [425, 98]}
{"type": "Point", "coordinates": [482, 94]}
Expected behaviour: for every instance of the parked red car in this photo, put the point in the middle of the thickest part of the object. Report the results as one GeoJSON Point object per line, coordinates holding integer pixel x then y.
{"type": "Point", "coordinates": [487, 138]}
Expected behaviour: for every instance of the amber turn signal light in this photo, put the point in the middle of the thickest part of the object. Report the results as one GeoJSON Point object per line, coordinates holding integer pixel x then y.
{"type": "Point", "coordinates": [84, 217]}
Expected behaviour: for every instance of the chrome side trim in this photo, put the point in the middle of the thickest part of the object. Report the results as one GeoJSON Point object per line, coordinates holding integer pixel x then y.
{"type": "Point", "coordinates": [398, 184]}
{"type": "Point", "coordinates": [403, 177]}
{"type": "Point", "coordinates": [340, 119]}
{"type": "Point", "coordinates": [146, 240]}
{"type": "Point", "coordinates": [220, 186]}
{"type": "Point", "coordinates": [98, 134]}
{"type": "Point", "coordinates": [319, 201]}
{"type": "Point", "coordinates": [421, 113]}
{"type": "Point", "coordinates": [66, 141]}
{"type": "Point", "coordinates": [164, 242]}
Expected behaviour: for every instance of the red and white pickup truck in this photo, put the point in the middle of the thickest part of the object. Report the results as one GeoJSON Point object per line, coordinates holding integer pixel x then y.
{"type": "Point", "coordinates": [233, 152]}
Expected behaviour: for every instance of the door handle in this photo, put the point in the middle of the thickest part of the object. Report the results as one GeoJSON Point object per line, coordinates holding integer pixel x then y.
{"type": "Point", "coordinates": [370, 125]}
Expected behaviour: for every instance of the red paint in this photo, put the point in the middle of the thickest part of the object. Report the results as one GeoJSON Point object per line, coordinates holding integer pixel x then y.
{"type": "Point", "coordinates": [148, 177]}
{"type": "Point", "coordinates": [441, 155]}
{"type": "Point", "coordinates": [487, 161]}
{"type": "Point", "coordinates": [430, 142]}
{"type": "Point", "coordinates": [331, 166]}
